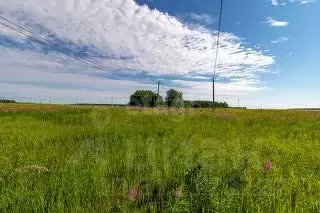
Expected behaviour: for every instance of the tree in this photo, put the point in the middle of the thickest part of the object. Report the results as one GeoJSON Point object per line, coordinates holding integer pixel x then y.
{"type": "Point", "coordinates": [174, 98]}
{"type": "Point", "coordinates": [205, 104]}
{"type": "Point", "coordinates": [221, 105]}
{"type": "Point", "coordinates": [145, 98]}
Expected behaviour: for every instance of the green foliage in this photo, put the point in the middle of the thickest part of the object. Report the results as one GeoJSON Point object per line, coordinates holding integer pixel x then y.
{"type": "Point", "coordinates": [7, 101]}
{"type": "Point", "coordinates": [145, 98]}
{"type": "Point", "coordinates": [174, 98]}
{"type": "Point", "coordinates": [205, 104]}
{"type": "Point", "coordinates": [88, 159]}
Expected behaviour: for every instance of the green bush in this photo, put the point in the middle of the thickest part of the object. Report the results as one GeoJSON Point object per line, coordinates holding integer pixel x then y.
{"type": "Point", "coordinates": [145, 98]}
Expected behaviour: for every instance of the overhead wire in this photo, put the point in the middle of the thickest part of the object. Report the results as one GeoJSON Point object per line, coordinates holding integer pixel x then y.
{"type": "Point", "coordinates": [218, 41]}
{"type": "Point", "coordinates": [40, 39]}
{"type": "Point", "coordinates": [48, 43]}
{"type": "Point", "coordinates": [215, 61]}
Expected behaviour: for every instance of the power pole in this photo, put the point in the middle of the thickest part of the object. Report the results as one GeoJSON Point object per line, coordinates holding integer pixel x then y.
{"type": "Point", "coordinates": [216, 56]}
{"type": "Point", "coordinates": [238, 103]}
{"type": "Point", "coordinates": [213, 95]}
{"type": "Point", "coordinates": [158, 93]}
{"type": "Point", "coordinates": [112, 101]}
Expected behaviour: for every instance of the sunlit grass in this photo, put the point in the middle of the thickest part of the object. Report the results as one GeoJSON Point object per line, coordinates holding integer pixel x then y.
{"type": "Point", "coordinates": [82, 159]}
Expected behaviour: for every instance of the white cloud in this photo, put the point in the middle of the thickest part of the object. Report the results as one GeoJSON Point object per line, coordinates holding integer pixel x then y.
{"type": "Point", "coordinates": [137, 38]}
{"type": "Point", "coordinates": [195, 91]}
{"type": "Point", "coordinates": [306, 1]}
{"type": "Point", "coordinates": [37, 77]}
{"type": "Point", "coordinates": [276, 23]}
{"type": "Point", "coordinates": [279, 40]}
{"type": "Point", "coordinates": [301, 1]}
{"type": "Point", "coordinates": [203, 18]}
{"type": "Point", "coordinates": [285, 2]}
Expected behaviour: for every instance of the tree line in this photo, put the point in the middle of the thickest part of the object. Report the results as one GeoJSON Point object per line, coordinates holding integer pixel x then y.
{"type": "Point", "coordinates": [174, 98]}
{"type": "Point", "coordinates": [7, 101]}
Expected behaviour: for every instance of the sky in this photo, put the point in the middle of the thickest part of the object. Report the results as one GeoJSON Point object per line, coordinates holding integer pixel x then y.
{"type": "Point", "coordinates": [101, 51]}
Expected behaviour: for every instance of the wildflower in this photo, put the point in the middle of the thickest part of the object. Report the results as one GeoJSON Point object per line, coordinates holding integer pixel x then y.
{"type": "Point", "coordinates": [268, 166]}
{"type": "Point", "coordinates": [133, 194]}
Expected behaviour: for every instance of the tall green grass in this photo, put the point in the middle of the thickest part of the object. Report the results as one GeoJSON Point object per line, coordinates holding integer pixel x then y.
{"type": "Point", "coordinates": [80, 159]}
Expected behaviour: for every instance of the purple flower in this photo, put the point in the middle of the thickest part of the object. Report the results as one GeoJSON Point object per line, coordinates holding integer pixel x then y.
{"type": "Point", "coordinates": [268, 165]}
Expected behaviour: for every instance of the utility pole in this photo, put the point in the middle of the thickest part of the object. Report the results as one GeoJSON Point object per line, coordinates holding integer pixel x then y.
{"type": "Point", "coordinates": [213, 95]}
{"type": "Point", "coordinates": [158, 92]}
{"type": "Point", "coordinates": [238, 103]}
{"type": "Point", "coordinates": [216, 56]}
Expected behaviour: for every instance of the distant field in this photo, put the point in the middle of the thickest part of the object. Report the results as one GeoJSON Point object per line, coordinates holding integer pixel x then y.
{"type": "Point", "coordinates": [102, 159]}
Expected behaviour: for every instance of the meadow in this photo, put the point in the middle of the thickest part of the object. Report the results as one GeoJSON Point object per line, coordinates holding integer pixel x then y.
{"type": "Point", "coordinates": [103, 159]}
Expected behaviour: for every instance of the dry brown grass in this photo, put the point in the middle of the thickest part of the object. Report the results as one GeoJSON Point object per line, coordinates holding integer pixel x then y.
{"type": "Point", "coordinates": [33, 168]}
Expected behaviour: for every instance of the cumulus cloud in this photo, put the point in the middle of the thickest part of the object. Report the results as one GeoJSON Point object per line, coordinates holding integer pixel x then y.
{"type": "Point", "coordinates": [279, 40]}
{"type": "Point", "coordinates": [276, 23]}
{"type": "Point", "coordinates": [121, 35]}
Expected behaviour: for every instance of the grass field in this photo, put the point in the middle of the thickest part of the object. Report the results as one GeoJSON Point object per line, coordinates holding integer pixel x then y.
{"type": "Point", "coordinates": [82, 159]}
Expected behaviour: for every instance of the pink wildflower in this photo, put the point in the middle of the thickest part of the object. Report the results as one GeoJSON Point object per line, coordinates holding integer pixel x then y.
{"type": "Point", "coordinates": [133, 194]}
{"type": "Point", "coordinates": [268, 166]}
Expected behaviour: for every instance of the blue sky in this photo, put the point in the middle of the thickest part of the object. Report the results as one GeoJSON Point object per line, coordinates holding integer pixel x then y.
{"type": "Point", "coordinates": [268, 53]}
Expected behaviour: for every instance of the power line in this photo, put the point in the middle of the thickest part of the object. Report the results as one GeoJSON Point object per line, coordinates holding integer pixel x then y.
{"type": "Point", "coordinates": [216, 55]}
{"type": "Point", "coordinates": [197, 85]}
{"type": "Point", "coordinates": [40, 39]}
{"type": "Point", "coordinates": [25, 34]}
{"type": "Point", "coordinates": [22, 30]}
{"type": "Point", "coordinates": [218, 39]}
{"type": "Point", "coordinates": [48, 43]}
